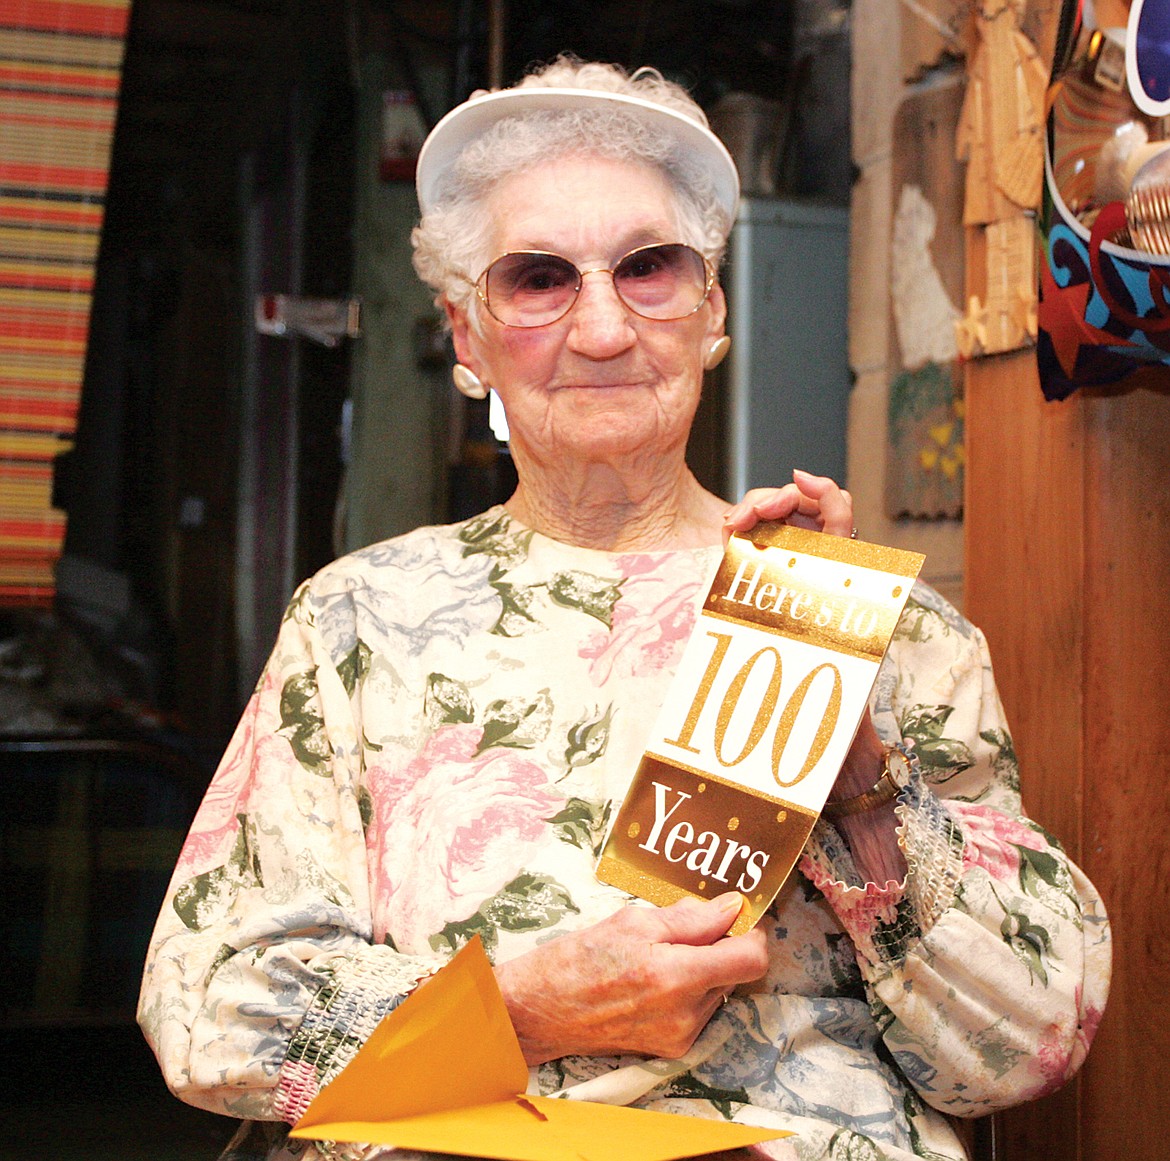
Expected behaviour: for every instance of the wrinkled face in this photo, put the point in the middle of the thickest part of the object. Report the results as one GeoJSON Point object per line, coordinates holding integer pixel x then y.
{"type": "Point", "coordinates": [602, 383]}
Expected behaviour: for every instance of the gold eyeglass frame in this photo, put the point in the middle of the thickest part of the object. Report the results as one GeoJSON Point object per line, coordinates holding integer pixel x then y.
{"type": "Point", "coordinates": [481, 282]}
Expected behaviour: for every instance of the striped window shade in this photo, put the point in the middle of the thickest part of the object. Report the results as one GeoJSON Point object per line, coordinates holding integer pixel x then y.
{"type": "Point", "coordinates": [60, 70]}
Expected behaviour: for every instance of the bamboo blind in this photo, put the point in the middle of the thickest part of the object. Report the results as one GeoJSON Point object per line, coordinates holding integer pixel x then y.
{"type": "Point", "coordinates": [60, 71]}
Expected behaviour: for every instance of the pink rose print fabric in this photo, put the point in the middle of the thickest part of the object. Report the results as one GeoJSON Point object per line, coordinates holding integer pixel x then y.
{"type": "Point", "coordinates": [451, 827]}
{"type": "Point", "coordinates": [651, 624]}
{"type": "Point", "coordinates": [433, 754]}
{"type": "Point", "coordinates": [994, 840]}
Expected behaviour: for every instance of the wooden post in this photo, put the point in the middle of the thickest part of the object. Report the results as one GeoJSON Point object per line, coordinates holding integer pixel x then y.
{"type": "Point", "coordinates": [1067, 560]}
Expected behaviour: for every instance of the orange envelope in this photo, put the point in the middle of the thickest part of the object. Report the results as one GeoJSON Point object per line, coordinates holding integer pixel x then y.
{"type": "Point", "coordinates": [444, 1072]}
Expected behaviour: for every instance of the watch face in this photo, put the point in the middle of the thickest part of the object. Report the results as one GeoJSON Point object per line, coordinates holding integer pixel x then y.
{"type": "Point", "coordinates": [899, 767]}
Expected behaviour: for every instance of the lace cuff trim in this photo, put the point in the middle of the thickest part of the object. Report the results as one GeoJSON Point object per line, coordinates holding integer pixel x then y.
{"type": "Point", "coordinates": [885, 920]}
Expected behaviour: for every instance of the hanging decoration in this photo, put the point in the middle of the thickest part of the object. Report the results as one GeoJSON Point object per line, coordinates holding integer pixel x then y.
{"type": "Point", "coordinates": [999, 137]}
{"type": "Point", "coordinates": [924, 449]}
{"type": "Point", "coordinates": [1104, 304]}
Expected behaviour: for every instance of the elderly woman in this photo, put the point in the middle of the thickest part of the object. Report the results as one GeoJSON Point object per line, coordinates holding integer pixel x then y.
{"type": "Point", "coordinates": [449, 718]}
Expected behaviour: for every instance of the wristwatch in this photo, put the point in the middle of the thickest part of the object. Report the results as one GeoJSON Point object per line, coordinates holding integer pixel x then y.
{"type": "Point", "coordinates": [895, 775]}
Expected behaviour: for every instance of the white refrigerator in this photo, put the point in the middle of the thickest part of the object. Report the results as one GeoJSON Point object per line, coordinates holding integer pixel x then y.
{"type": "Point", "coordinates": [787, 287]}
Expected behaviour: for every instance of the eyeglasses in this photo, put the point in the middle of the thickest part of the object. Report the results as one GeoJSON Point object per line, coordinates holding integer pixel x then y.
{"type": "Point", "coordinates": [532, 288]}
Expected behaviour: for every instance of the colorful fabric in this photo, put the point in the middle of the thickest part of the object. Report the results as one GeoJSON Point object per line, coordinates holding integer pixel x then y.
{"type": "Point", "coordinates": [1103, 311]}
{"type": "Point", "coordinates": [60, 75]}
{"type": "Point", "coordinates": [434, 751]}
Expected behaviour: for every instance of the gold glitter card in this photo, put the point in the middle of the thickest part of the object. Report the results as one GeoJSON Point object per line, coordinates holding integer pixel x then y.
{"type": "Point", "coordinates": [759, 717]}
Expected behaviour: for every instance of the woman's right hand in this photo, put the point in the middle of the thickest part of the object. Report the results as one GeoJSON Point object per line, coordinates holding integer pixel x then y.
{"type": "Point", "coordinates": [644, 980]}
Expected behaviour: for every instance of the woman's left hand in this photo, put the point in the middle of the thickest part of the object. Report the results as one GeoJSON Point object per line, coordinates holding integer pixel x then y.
{"type": "Point", "coordinates": [815, 502]}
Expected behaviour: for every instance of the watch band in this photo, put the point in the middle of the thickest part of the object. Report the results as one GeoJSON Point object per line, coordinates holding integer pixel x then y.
{"type": "Point", "coordinates": [884, 790]}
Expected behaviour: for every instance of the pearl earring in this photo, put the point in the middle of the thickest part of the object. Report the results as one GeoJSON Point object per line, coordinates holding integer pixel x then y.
{"type": "Point", "coordinates": [467, 381]}
{"type": "Point", "coordinates": [717, 352]}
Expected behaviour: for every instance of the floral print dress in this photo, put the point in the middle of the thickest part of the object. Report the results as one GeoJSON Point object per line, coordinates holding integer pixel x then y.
{"type": "Point", "coordinates": [434, 751]}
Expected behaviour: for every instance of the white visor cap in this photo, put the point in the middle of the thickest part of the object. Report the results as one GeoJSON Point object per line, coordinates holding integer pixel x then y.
{"type": "Point", "coordinates": [477, 115]}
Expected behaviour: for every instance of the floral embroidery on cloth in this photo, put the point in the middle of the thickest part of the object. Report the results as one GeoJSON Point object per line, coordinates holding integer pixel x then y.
{"type": "Point", "coordinates": [434, 751]}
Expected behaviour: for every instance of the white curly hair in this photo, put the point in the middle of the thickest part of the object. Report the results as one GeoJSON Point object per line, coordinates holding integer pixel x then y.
{"type": "Point", "coordinates": [452, 239]}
